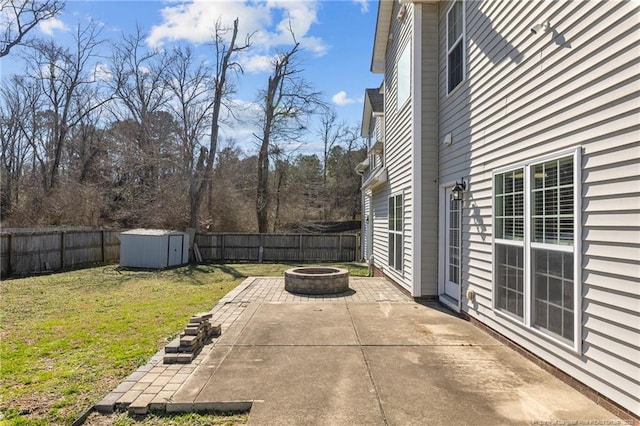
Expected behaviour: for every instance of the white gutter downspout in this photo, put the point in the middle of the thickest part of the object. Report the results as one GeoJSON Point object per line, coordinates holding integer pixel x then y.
{"type": "Point", "coordinates": [416, 143]}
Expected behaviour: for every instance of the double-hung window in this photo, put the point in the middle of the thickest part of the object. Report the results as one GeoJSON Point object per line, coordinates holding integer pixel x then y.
{"type": "Point", "coordinates": [395, 232]}
{"type": "Point", "coordinates": [455, 45]}
{"type": "Point", "coordinates": [535, 247]}
{"type": "Point", "coordinates": [509, 241]}
{"type": "Point", "coordinates": [552, 243]}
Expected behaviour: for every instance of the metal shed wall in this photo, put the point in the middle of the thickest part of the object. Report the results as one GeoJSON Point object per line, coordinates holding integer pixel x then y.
{"type": "Point", "coordinates": [153, 249]}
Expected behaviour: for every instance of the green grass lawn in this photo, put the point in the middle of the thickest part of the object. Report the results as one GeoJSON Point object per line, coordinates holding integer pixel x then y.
{"type": "Point", "coordinates": [67, 339]}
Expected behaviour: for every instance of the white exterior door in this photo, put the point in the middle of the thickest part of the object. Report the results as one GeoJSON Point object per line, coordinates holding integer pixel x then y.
{"type": "Point", "coordinates": [453, 249]}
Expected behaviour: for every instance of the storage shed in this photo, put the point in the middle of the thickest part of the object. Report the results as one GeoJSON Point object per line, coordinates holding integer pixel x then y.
{"type": "Point", "coordinates": [153, 248]}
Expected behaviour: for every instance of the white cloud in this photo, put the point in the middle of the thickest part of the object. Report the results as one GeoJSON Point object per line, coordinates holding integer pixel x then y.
{"type": "Point", "coordinates": [364, 5]}
{"type": "Point", "coordinates": [341, 99]}
{"type": "Point", "coordinates": [258, 63]}
{"type": "Point", "coordinates": [270, 22]}
{"type": "Point", "coordinates": [51, 25]}
{"type": "Point", "coordinates": [245, 124]}
{"type": "Point", "coordinates": [101, 72]}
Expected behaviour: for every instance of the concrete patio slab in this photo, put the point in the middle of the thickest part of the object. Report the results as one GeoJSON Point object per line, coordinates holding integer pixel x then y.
{"type": "Point", "coordinates": [297, 385]}
{"type": "Point", "coordinates": [281, 324]}
{"type": "Point", "coordinates": [187, 393]}
{"type": "Point", "coordinates": [473, 385]}
{"type": "Point", "coordinates": [369, 356]}
{"type": "Point", "coordinates": [388, 323]}
{"type": "Point", "coordinates": [392, 364]}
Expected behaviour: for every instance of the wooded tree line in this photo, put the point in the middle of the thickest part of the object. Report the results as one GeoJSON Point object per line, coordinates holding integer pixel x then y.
{"type": "Point", "coordinates": [132, 140]}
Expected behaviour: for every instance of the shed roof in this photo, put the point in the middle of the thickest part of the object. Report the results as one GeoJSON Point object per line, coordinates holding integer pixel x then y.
{"type": "Point", "coordinates": [156, 232]}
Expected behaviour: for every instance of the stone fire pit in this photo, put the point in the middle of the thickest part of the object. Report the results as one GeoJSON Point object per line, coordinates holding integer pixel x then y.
{"type": "Point", "coordinates": [316, 280]}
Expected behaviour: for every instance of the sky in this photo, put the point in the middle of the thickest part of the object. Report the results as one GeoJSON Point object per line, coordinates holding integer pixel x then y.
{"type": "Point", "coordinates": [336, 37]}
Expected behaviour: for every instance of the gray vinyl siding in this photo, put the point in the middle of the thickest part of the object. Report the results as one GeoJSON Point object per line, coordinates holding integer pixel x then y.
{"type": "Point", "coordinates": [397, 158]}
{"type": "Point", "coordinates": [527, 95]}
{"type": "Point", "coordinates": [429, 150]}
{"type": "Point", "coordinates": [373, 202]}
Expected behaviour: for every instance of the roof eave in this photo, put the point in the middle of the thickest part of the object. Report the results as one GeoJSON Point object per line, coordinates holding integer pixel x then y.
{"type": "Point", "coordinates": [381, 38]}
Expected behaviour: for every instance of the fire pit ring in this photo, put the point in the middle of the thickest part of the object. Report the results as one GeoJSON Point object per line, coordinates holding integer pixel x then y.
{"type": "Point", "coordinates": [316, 280]}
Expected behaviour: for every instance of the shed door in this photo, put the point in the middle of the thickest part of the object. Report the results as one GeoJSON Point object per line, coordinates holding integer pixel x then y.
{"type": "Point", "coordinates": [175, 250]}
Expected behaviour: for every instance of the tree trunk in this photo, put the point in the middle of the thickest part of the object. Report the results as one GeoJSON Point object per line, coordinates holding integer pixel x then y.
{"type": "Point", "coordinates": [203, 178]}
{"type": "Point", "coordinates": [5, 195]}
{"type": "Point", "coordinates": [262, 194]}
{"type": "Point", "coordinates": [276, 216]}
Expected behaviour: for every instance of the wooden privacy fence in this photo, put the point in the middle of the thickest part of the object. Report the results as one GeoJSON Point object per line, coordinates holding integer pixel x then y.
{"type": "Point", "coordinates": [278, 247]}
{"type": "Point", "coordinates": [38, 252]}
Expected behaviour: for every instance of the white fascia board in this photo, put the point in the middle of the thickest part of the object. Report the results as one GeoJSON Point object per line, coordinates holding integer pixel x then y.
{"type": "Point", "coordinates": [377, 147]}
{"type": "Point", "coordinates": [377, 67]}
{"type": "Point", "coordinates": [378, 178]}
{"type": "Point", "coordinates": [363, 166]}
{"type": "Point", "coordinates": [366, 117]}
{"type": "Point", "coordinates": [381, 38]}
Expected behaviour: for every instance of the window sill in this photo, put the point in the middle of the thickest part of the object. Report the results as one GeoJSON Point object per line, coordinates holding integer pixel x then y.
{"type": "Point", "coordinates": [512, 319]}
{"type": "Point", "coordinates": [456, 89]}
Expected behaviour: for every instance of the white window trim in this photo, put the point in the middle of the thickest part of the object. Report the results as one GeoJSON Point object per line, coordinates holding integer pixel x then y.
{"type": "Point", "coordinates": [442, 198]}
{"type": "Point", "coordinates": [401, 233]}
{"type": "Point", "coordinates": [513, 243]}
{"type": "Point", "coordinates": [464, 47]}
{"type": "Point", "coordinates": [576, 346]}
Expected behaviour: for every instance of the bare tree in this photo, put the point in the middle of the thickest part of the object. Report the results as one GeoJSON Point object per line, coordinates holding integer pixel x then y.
{"type": "Point", "coordinates": [282, 163]}
{"type": "Point", "coordinates": [343, 181]}
{"type": "Point", "coordinates": [331, 132]}
{"type": "Point", "coordinates": [86, 148]}
{"type": "Point", "coordinates": [21, 16]}
{"type": "Point", "coordinates": [68, 93]}
{"type": "Point", "coordinates": [139, 77]}
{"type": "Point", "coordinates": [15, 147]}
{"type": "Point", "coordinates": [288, 102]}
{"type": "Point", "coordinates": [202, 173]}
{"type": "Point", "coordinates": [189, 81]}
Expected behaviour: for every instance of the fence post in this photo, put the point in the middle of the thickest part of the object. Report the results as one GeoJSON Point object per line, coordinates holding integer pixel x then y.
{"type": "Point", "coordinates": [104, 251]}
{"type": "Point", "coordinates": [300, 252]}
{"type": "Point", "coordinates": [222, 248]}
{"type": "Point", "coordinates": [261, 249]}
{"type": "Point", "coordinates": [340, 248]}
{"type": "Point", "coordinates": [10, 255]}
{"type": "Point", "coordinates": [62, 250]}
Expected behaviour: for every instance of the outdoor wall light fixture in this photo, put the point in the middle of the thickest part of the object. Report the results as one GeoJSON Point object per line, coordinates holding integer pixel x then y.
{"type": "Point", "coordinates": [458, 190]}
{"type": "Point", "coordinates": [401, 12]}
{"type": "Point", "coordinates": [541, 27]}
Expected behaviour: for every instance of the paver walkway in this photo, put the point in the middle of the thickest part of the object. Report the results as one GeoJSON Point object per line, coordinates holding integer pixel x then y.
{"type": "Point", "coordinates": [370, 356]}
